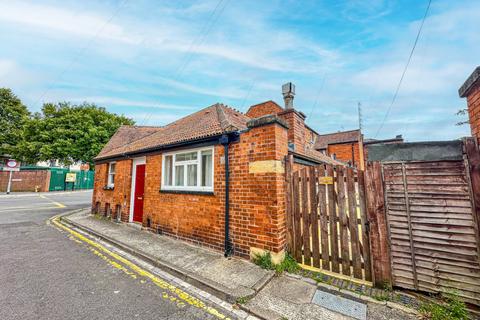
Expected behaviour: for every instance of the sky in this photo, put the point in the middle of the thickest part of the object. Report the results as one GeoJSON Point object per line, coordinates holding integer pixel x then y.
{"type": "Point", "coordinates": [156, 61]}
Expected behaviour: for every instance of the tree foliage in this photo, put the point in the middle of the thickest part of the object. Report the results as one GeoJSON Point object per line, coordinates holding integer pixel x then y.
{"type": "Point", "coordinates": [13, 116]}
{"type": "Point", "coordinates": [68, 132]}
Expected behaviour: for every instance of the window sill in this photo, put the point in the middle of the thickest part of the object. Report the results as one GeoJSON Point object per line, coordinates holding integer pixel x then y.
{"type": "Point", "coordinates": [108, 188]}
{"type": "Point", "coordinates": [207, 193]}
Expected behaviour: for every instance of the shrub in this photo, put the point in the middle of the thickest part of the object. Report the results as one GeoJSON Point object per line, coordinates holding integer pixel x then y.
{"type": "Point", "coordinates": [452, 309]}
{"type": "Point", "coordinates": [265, 261]}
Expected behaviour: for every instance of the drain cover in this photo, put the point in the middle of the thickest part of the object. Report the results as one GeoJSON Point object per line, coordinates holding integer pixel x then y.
{"type": "Point", "coordinates": [341, 305]}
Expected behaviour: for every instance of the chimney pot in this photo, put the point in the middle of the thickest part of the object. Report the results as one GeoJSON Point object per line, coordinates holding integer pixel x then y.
{"type": "Point", "coordinates": [288, 91]}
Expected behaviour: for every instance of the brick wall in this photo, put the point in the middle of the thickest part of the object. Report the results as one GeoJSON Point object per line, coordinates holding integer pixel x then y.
{"type": "Point", "coordinates": [26, 180]}
{"type": "Point", "coordinates": [473, 102]}
{"type": "Point", "coordinates": [296, 128]}
{"type": "Point", "coordinates": [346, 152]}
{"type": "Point", "coordinates": [257, 195]}
{"type": "Point", "coordinates": [263, 109]}
{"type": "Point", "coordinates": [120, 195]}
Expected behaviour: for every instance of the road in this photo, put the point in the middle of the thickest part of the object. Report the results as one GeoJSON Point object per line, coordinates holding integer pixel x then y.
{"type": "Point", "coordinates": [46, 275]}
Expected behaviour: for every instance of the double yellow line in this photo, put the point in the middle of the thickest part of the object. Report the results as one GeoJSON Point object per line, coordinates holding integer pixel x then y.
{"type": "Point", "coordinates": [170, 292]}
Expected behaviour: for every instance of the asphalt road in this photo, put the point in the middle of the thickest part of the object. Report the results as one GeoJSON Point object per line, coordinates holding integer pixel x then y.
{"type": "Point", "coordinates": [46, 275]}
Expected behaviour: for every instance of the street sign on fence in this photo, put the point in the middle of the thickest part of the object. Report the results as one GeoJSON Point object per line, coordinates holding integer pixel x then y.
{"type": "Point", "coordinates": [71, 177]}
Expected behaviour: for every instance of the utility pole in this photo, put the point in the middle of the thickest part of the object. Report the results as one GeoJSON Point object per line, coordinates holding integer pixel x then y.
{"type": "Point", "coordinates": [9, 185]}
{"type": "Point", "coordinates": [360, 116]}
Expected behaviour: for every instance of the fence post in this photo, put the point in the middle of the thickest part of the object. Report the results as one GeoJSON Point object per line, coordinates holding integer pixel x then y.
{"type": "Point", "coordinates": [289, 202]}
{"type": "Point", "coordinates": [376, 215]}
{"type": "Point", "coordinates": [473, 160]}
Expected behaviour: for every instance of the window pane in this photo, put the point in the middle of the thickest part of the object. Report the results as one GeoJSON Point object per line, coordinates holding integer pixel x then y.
{"type": "Point", "coordinates": [112, 179]}
{"type": "Point", "coordinates": [167, 175]}
{"type": "Point", "coordinates": [207, 168]}
{"type": "Point", "coordinates": [112, 167]}
{"type": "Point", "coordinates": [192, 175]}
{"type": "Point", "coordinates": [179, 175]}
{"type": "Point", "coordinates": [186, 156]}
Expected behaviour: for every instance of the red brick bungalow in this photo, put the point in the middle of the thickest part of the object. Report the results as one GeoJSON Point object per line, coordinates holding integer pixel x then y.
{"type": "Point", "coordinates": [215, 177]}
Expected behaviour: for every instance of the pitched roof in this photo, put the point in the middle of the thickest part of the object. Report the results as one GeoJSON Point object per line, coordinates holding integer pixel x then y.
{"type": "Point", "coordinates": [324, 140]}
{"type": "Point", "coordinates": [318, 156]}
{"type": "Point", "coordinates": [210, 121]}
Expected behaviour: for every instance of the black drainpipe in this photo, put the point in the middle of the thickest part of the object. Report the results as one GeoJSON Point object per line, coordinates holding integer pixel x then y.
{"type": "Point", "coordinates": [225, 141]}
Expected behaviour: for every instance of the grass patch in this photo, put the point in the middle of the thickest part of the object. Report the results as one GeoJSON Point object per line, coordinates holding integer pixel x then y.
{"type": "Point", "coordinates": [288, 264]}
{"type": "Point", "coordinates": [243, 300]}
{"type": "Point", "coordinates": [384, 296]}
{"type": "Point", "coordinates": [452, 308]}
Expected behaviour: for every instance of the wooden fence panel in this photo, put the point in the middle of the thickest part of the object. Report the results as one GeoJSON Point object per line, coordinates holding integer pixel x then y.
{"type": "Point", "coordinates": [327, 211]}
{"type": "Point", "coordinates": [333, 218]}
{"type": "Point", "coordinates": [344, 243]}
{"type": "Point", "coordinates": [297, 251]}
{"type": "Point", "coordinates": [433, 232]}
{"type": "Point", "coordinates": [305, 218]}
{"type": "Point", "coordinates": [353, 216]}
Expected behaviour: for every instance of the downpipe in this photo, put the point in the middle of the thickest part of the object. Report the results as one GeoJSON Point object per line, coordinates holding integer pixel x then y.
{"type": "Point", "coordinates": [228, 247]}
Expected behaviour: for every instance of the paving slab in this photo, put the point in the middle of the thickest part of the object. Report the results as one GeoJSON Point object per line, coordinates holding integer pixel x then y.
{"type": "Point", "coordinates": [229, 279]}
{"type": "Point", "coordinates": [285, 297]}
{"type": "Point", "coordinates": [340, 304]}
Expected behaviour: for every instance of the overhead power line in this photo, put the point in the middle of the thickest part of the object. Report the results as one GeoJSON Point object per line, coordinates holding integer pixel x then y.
{"type": "Point", "coordinates": [404, 70]}
{"type": "Point", "coordinates": [198, 41]}
{"type": "Point", "coordinates": [318, 95]}
{"type": "Point", "coordinates": [80, 52]}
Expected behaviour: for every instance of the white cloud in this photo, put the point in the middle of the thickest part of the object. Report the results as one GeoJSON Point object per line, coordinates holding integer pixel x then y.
{"type": "Point", "coordinates": [55, 19]}
{"type": "Point", "coordinates": [112, 101]}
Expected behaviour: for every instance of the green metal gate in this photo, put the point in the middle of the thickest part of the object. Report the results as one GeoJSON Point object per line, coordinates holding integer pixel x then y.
{"type": "Point", "coordinates": [57, 179]}
{"type": "Point", "coordinates": [84, 179]}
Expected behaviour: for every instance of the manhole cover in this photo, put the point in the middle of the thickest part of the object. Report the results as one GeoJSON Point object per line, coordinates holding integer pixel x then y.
{"type": "Point", "coordinates": [341, 305]}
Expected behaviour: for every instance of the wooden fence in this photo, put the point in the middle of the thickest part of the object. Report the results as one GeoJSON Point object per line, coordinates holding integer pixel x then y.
{"type": "Point", "coordinates": [432, 230]}
{"type": "Point", "coordinates": [326, 219]}
{"type": "Point", "coordinates": [425, 234]}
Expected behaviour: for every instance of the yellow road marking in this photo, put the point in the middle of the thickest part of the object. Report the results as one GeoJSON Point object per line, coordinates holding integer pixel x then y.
{"type": "Point", "coordinates": [58, 204]}
{"type": "Point", "coordinates": [172, 293]}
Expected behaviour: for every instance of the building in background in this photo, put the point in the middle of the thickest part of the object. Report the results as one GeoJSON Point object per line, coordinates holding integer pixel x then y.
{"type": "Point", "coordinates": [471, 90]}
{"type": "Point", "coordinates": [345, 146]}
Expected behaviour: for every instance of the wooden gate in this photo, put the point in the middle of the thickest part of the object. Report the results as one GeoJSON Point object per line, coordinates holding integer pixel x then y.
{"type": "Point", "coordinates": [433, 234]}
{"type": "Point", "coordinates": [326, 219]}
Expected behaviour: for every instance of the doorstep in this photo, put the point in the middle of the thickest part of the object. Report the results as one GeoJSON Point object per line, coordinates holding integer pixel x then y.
{"type": "Point", "coordinates": [230, 279]}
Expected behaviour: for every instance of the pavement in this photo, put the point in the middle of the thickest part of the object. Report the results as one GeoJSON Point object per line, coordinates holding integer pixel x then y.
{"type": "Point", "coordinates": [47, 272]}
{"type": "Point", "coordinates": [259, 292]}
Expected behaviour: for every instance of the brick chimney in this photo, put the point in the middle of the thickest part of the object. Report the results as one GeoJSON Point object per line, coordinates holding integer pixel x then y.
{"type": "Point", "coordinates": [471, 90]}
{"type": "Point", "coordinates": [294, 119]}
{"type": "Point", "coordinates": [288, 92]}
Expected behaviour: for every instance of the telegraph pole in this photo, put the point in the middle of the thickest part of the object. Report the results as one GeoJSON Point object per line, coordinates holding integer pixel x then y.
{"type": "Point", "coordinates": [360, 116]}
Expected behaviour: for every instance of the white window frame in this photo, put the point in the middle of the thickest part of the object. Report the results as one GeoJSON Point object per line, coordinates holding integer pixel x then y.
{"type": "Point", "coordinates": [173, 187]}
{"type": "Point", "coordinates": [111, 184]}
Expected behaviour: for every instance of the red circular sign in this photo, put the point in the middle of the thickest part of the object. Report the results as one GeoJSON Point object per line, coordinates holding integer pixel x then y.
{"type": "Point", "coordinates": [11, 163]}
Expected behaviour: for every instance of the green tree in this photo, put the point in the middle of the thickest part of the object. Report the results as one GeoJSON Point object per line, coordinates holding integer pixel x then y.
{"type": "Point", "coordinates": [68, 132]}
{"type": "Point", "coordinates": [13, 116]}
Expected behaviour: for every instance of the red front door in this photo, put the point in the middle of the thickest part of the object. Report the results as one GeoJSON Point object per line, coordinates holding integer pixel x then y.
{"type": "Point", "coordinates": [139, 188]}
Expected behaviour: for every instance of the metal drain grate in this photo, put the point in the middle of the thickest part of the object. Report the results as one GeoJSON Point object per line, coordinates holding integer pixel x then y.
{"type": "Point", "coordinates": [341, 305]}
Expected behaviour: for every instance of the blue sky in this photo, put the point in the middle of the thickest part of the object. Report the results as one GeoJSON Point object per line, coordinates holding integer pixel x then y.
{"type": "Point", "coordinates": [156, 61]}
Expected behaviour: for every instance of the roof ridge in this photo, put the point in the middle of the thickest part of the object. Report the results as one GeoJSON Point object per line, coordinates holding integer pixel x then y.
{"type": "Point", "coordinates": [222, 117]}
{"type": "Point", "coordinates": [257, 104]}
{"type": "Point", "coordinates": [328, 134]}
